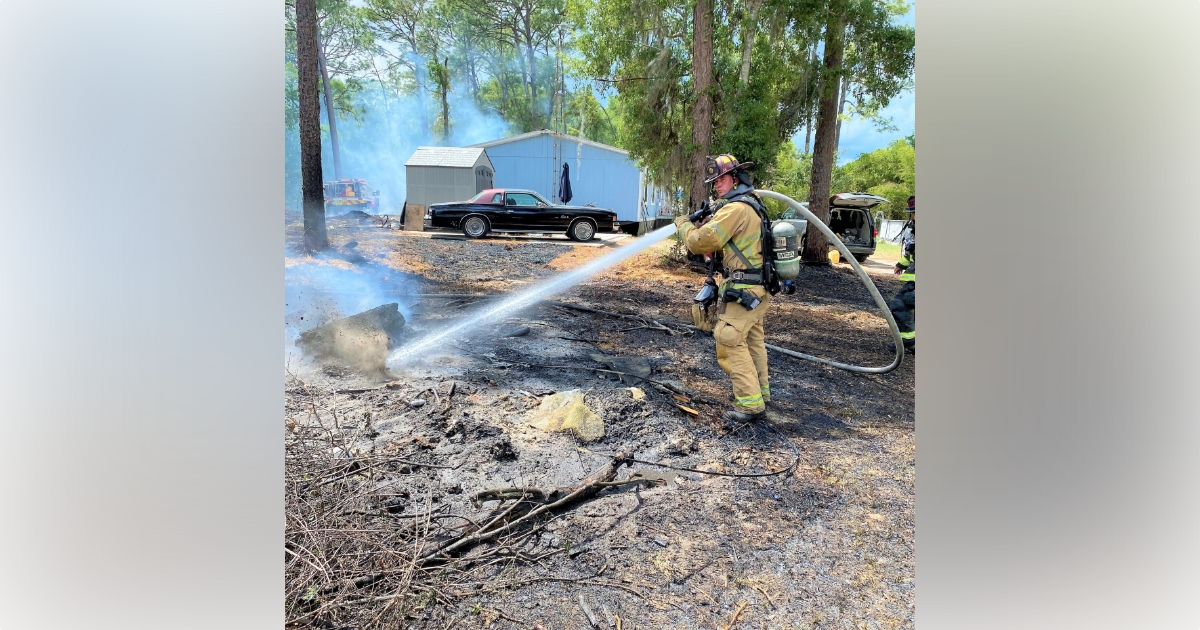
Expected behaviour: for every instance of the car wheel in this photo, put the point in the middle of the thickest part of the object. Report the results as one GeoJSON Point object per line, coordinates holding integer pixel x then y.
{"type": "Point", "coordinates": [582, 230]}
{"type": "Point", "coordinates": [861, 257]}
{"type": "Point", "coordinates": [475, 226]}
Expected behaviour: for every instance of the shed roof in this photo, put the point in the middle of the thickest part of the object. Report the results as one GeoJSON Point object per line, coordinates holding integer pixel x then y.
{"type": "Point", "coordinates": [460, 157]}
{"type": "Point", "coordinates": [540, 132]}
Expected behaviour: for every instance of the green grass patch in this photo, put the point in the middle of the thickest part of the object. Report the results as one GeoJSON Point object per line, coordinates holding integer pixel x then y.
{"type": "Point", "coordinates": [887, 248]}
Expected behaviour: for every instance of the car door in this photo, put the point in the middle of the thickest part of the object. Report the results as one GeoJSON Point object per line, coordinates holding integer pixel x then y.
{"type": "Point", "coordinates": [499, 215]}
{"type": "Point", "coordinates": [521, 211]}
{"type": "Point", "coordinates": [552, 216]}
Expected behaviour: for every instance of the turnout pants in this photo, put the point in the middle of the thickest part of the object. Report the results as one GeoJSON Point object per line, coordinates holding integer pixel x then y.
{"type": "Point", "coordinates": [742, 353]}
{"type": "Point", "coordinates": [904, 310]}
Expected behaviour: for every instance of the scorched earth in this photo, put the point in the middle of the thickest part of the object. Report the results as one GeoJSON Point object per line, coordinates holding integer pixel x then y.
{"type": "Point", "coordinates": [420, 493]}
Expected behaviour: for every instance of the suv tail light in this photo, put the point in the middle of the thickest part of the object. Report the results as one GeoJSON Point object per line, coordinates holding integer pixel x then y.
{"type": "Point", "coordinates": [875, 232]}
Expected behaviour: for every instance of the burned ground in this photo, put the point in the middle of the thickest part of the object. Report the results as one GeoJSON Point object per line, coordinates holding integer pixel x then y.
{"type": "Point", "coordinates": [380, 474]}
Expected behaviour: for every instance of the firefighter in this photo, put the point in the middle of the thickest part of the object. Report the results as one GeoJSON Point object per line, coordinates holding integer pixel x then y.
{"type": "Point", "coordinates": [904, 304]}
{"type": "Point", "coordinates": [735, 230]}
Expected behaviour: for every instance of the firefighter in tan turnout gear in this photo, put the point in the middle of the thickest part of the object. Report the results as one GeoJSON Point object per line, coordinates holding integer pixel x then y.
{"type": "Point", "coordinates": [735, 229]}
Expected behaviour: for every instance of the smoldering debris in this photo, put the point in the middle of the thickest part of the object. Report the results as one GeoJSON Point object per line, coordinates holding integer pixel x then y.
{"type": "Point", "coordinates": [362, 342]}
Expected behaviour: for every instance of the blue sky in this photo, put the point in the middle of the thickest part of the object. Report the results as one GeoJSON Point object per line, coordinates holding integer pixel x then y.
{"type": "Point", "coordinates": [860, 136]}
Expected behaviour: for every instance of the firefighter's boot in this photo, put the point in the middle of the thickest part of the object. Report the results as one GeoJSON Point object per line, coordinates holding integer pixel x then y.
{"type": "Point", "coordinates": [734, 418]}
{"type": "Point", "coordinates": [910, 345]}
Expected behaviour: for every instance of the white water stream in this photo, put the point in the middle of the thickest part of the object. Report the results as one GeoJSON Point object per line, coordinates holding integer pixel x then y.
{"type": "Point", "coordinates": [474, 323]}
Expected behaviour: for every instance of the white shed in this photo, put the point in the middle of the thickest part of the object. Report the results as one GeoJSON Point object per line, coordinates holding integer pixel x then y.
{"type": "Point", "coordinates": [441, 174]}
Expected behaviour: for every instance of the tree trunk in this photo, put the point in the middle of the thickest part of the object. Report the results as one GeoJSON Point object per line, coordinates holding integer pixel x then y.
{"type": "Point", "coordinates": [537, 117]}
{"type": "Point", "coordinates": [808, 115]}
{"type": "Point", "coordinates": [559, 88]}
{"type": "Point", "coordinates": [816, 250]}
{"type": "Point", "coordinates": [421, 75]}
{"type": "Point", "coordinates": [837, 136]}
{"type": "Point", "coordinates": [551, 100]}
{"type": "Point", "coordinates": [521, 59]}
{"type": "Point", "coordinates": [445, 81]}
{"type": "Point", "coordinates": [807, 132]}
{"type": "Point", "coordinates": [749, 29]}
{"type": "Point", "coordinates": [473, 76]}
{"type": "Point", "coordinates": [329, 113]}
{"type": "Point", "coordinates": [702, 71]}
{"type": "Point", "coordinates": [315, 237]}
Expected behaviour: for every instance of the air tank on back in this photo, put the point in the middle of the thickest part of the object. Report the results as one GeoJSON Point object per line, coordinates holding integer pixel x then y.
{"type": "Point", "coordinates": [786, 245]}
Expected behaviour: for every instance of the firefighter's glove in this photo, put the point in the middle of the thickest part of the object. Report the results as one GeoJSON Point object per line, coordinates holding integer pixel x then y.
{"type": "Point", "coordinates": [680, 220]}
{"type": "Point", "coordinates": [698, 215]}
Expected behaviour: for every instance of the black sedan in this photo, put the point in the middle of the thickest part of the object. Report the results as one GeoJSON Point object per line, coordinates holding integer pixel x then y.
{"type": "Point", "coordinates": [524, 211]}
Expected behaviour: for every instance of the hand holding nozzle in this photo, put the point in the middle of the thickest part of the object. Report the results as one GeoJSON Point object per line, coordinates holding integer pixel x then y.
{"type": "Point", "coordinates": [695, 217]}
{"type": "Point", "coordinates": [704, 211]}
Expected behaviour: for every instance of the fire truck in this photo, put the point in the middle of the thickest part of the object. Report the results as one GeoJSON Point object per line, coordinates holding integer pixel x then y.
{"type": "Point", "coordinates": [344, 195]}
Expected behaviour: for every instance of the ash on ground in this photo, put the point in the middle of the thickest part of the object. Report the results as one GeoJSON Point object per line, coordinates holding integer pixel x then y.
{"type": "Point", "coordinates": [380, 474]}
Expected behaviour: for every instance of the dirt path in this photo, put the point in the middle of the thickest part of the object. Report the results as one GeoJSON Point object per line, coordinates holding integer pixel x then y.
{"type": "Point", "coordinates": [829, 545]}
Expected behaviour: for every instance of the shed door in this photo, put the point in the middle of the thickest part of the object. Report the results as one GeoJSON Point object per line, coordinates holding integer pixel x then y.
{"type": "Point", "coordinates": [483, 178]}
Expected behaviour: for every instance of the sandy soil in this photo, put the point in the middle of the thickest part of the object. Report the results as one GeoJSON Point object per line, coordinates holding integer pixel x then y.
{"type": "Point", "coordinates": [828, 545]}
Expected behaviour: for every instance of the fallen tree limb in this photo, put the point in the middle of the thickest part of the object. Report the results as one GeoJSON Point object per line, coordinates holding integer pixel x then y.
{"type": "Point", "coordinates": [649, 324]}
{"type": "Point", "coordinates": [733, 622]}
{"type": "Point", "coordinates": [497, 526]}
{"type": "Point", "coordinates": [587, 610]}
{"type": "Point", "coordinates": [504, 494]}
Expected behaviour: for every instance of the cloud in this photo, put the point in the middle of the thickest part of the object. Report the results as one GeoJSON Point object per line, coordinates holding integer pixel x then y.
{"type": "Point", "coordinates": [860, 136]}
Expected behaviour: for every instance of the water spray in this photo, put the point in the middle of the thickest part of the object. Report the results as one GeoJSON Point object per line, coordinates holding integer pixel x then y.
{"type": "Point", "coordinates": [419, 348]}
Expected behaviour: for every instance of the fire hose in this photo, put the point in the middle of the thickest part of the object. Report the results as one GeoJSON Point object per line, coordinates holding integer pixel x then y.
{"type": "Point", "coordinates": [862, 275]}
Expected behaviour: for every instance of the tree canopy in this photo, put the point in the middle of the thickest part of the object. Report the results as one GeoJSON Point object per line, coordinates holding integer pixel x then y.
{"type": "Point", "coordinates": [410, 72]}
{"type": "Point", "coordinates": [889, 172]}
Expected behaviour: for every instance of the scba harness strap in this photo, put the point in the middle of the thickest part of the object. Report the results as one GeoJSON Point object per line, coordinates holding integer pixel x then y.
{"type": "Point", "coordinates": [754, 275]}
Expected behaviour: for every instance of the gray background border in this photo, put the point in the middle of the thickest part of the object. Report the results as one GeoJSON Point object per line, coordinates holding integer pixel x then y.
{"type": "Point", "coordinates": [140, 459]}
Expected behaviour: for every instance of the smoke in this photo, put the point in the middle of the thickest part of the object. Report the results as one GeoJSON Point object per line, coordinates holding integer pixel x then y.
{"type": "Point", "coordinates": [335, 286]}
{"type": "Point", "coordinates": [387, 131]}
{"type": "Point", "coordinates": [384, 131]}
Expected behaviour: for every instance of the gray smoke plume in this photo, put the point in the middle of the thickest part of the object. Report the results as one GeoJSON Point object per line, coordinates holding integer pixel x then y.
{"type": "Point", "coordinates": [389, 130]}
